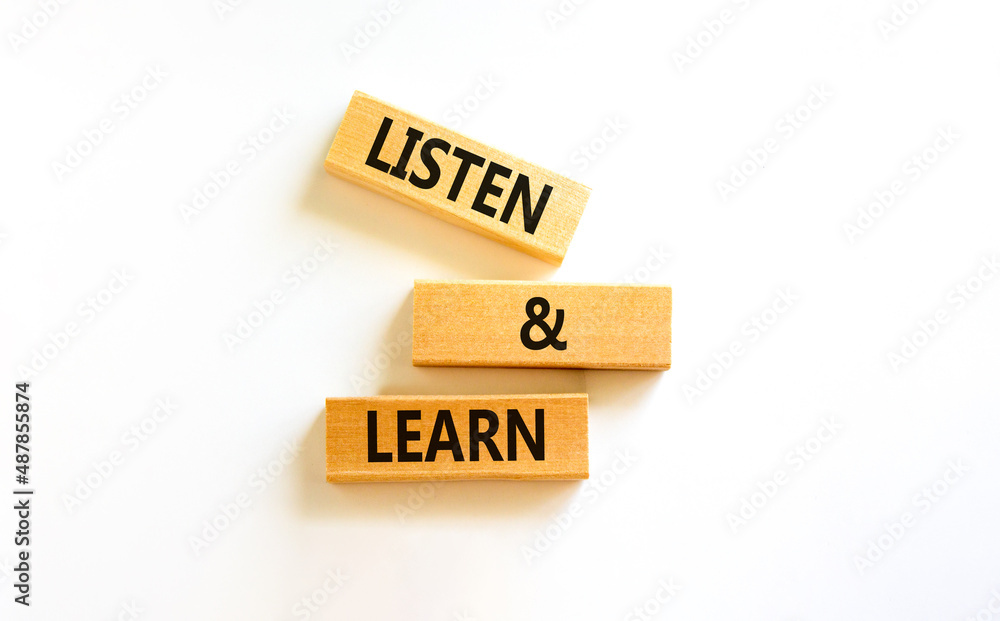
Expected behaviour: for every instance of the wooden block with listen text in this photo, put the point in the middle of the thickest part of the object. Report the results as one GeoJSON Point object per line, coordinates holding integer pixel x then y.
{"type": "Point", "coordinates": [414, 438]}
{"type": "Point", "coordinates": [495, 323]}
{"type": "Point", "coordinates": [457, 179]}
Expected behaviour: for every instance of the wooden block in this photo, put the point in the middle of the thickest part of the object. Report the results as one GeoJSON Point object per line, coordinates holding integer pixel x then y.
{"type": "Point", "coordinates": [457, 437]}
{"type": "Point", "coordinates": [465, 182]}
{"type": "Point", "coordinates": [491, 323]}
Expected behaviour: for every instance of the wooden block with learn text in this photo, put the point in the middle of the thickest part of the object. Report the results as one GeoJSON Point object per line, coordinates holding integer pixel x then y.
{"type": "Point", "coordinates": [495, 323]}
{"type": "Point", "coordinates": [457, 179]}
{"type": "Point", "coordinates": [416, 438]}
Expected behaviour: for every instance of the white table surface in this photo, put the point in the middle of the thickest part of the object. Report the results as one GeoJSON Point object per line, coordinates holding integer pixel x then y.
{"type": "Point", "coordinates": [670, 468]}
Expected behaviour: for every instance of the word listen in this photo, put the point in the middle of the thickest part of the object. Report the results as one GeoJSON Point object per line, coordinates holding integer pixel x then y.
{"type": "Point", "coordinates": [444, 424]}
{"type": "Point", "coordinates": [420, 438]}
{"type": "Point", "coordinates": [521, 192]}
{"type": "Point", "coordinates": [448, 175]}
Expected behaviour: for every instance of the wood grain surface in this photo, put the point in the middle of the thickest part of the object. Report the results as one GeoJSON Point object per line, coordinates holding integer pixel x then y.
{"type": "Point", "coordinates": [482, 323]}
{"type": "Point", "coordinates": [409, 438]}
{"type": "Point", "coordinates": [446, 174]}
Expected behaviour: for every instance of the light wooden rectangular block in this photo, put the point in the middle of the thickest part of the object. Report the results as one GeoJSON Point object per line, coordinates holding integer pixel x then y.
{"type": "Point", "coordinates": [397, 438]}
{"type": "Point", "coordinates": [457, 179]}
{"type": "Point", "coordinates": [485, 323]}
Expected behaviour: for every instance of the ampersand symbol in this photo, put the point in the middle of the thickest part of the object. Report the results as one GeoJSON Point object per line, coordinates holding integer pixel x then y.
{"type": "Point", "coordinates": [538, 319]}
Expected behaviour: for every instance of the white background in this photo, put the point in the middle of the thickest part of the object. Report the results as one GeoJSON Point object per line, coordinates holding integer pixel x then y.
{"type": "Point", "coordinates": [461, 550]}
